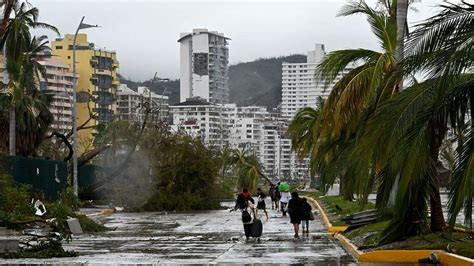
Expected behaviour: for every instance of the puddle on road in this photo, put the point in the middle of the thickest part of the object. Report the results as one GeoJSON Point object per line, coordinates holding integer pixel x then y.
{"type": "Point", "coordinates": [201, 237]}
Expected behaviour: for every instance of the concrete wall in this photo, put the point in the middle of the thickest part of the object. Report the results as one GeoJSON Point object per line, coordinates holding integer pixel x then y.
{"type": "Point", "coordinates": [185, 69]}
{"type": "Point", "coordinates": [201, 83]}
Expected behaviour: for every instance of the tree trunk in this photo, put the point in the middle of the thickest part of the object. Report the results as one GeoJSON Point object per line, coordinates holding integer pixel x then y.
{"type": "Point", "coordinates": [437, 133]}
{"type": "Point", "coordinates": [402, 9]}
{"type": "Point", "coordinates": [437, 218]}
{"type": "Point", "coordinates": [12, 134]}
{"type": "Point", "coordinates": [7, 9]}
{"type": "Point", "coordinates": [341, 187]}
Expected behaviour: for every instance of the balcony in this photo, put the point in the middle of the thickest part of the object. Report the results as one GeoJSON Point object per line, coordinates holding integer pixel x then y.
{"type": "Point", "coordinates": [106, 72]}
{"type": "Point", "coordinates": [94, 62]}
{"type": "Point", "coordinates": [116, 82]}
{"type": "Point", "coordinates": [105, 99]}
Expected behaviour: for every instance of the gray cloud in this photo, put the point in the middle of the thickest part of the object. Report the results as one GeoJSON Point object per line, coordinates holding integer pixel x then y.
{"type": "Point", "coordinates": [144, 33]}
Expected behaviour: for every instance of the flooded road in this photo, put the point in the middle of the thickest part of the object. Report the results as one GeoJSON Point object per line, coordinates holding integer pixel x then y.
{"type": "Point", "coordinates": [209, 237]}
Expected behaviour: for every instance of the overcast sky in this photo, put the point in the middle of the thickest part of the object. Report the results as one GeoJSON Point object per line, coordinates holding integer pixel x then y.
{"type": "Point", "coordinates": [144, 33]}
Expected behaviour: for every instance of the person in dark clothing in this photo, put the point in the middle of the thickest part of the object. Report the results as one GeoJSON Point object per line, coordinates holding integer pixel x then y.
{"type": "Point", "coordinates": [271, 193]}
{"type": "Point", "coordinates": [296, 210]}
{"type": "Point", "coordinates": [306, 216]}
{"type": "Point", "coordinates": [261, 202]}
{"type": "Point", "coordinates": [245, 203]}
{"type": "Point", "coordinates": [277, 197]}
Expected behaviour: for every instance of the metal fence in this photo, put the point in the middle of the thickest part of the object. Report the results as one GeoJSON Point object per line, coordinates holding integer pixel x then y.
{"type": "Point", "coordinates": [46, 177]}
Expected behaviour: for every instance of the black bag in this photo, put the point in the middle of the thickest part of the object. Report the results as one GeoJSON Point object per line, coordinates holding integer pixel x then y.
{"type": "Point", "coordinates": [246, 218]}
{"type": "Point", "coordinates": [257, 228]}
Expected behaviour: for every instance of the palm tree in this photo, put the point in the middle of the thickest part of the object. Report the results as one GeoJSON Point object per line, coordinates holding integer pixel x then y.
{"type": "Point", "coordinates": [413, 125]}
{"type": "Point", "coordinates": [15, 41]}
{"type": "Point", "coordinates": [326, 154]}
{"type": "Point", "coordinates": [303, 129]}
{"type": "Point", "coordinates": [247, 168]}
{"type": "Point", "coordinates": [30, 105]}
{"type": "Point", "coordinates": [368, 79]}
{"type": "Point", "coordinates": [226, 160]}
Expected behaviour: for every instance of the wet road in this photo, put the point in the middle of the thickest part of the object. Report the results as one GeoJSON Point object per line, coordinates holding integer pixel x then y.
{"type": "Point", "coordinates": [211, 237]}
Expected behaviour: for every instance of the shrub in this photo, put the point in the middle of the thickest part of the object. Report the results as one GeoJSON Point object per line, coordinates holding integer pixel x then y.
{"type": "Point", "coordinates": [90, 226]}
{"type": "Point", "coordinates": [14, 202]}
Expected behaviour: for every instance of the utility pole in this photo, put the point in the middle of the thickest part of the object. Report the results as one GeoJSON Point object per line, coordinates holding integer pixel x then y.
{"type": "Point", "coordinates": [74, 105]}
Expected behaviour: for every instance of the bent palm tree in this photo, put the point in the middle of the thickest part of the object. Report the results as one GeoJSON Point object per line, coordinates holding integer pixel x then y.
{"type": "Point", "coordinates": [413, 124]}
{"type": "Point", "coordinates": [303, 129]}
{"type": "Point", "coordinates": [15, 42]}
{"type": "Point", "coordinates": [30, 105]}
{"type": "Point", "coordinates": [247, 168]}
{"type": "Point", "coordinates": [368, 79]}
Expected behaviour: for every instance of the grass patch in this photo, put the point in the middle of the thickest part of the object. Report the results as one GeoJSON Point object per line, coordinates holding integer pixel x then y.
{"type": "Point", "coordinates": [455, 242]}
{"type": "Point", "coordinates": [346, 208]}
{"type": "Point", "coordinates": [375, 227]}
{"type": "Point", "coordinates": [465, 249]}
{"type": "Point", "coordinates": [90, 226]}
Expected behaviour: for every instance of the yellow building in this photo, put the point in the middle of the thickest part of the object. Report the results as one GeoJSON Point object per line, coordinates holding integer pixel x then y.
{"type": "Point", "coordinates": [97, 77]}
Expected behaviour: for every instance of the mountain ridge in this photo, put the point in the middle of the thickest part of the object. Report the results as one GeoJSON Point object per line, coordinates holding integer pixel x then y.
{"type": "Point", "coordinates": [256, 82]}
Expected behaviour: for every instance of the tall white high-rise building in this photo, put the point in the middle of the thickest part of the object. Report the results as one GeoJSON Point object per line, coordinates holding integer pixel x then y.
{"type": "Point", "coordinates": [299, 85]}
{"type": "Point", "coordinates": [58, 84]}
{"type": "Point", "coordinates": [204, 58]}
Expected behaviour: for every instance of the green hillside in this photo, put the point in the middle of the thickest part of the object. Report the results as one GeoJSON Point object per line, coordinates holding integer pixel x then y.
{"type": "Point", "coordinates": [259, 82]}
{"type": "Point", "coordinates": [250, 83]}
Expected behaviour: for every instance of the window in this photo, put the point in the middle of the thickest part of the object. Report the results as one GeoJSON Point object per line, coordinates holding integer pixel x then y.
{"type": "Point", "coordinates": [59, 47]}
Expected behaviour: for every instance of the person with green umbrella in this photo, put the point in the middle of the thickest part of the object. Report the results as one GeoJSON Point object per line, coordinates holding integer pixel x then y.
{"type": "Point", "coordinates": [284, 189]}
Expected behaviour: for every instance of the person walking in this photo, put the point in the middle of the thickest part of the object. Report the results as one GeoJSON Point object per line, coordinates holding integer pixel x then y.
{"type": "Point", "coordinates": [284, 197]}
{"type": "Point", "coordinates": [245, 203]}
{"type": "Point", "coordinates": [261, 202]}
{"type": "Point", "coordinates": [271, 193]}
{"type": "Point", "coordinates": [277, 198]}
{"type": "Point", "coordinates": [306, 217]}
{"type": "Point", "coordinates": [295, 209]}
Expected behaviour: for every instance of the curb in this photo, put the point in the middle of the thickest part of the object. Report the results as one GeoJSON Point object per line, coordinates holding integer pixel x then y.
{"type": "Point", "coordinates": [387, 256]}
{"type": "Point", "coordinates": [332, 229]}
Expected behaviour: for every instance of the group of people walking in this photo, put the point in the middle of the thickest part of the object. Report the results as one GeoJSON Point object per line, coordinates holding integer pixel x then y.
{"type": "Point", "coordinates": [298, 208]}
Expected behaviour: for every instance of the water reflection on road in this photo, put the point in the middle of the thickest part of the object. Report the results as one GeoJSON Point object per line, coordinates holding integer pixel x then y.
{"type": "Point", "coordinates": [201, 237]}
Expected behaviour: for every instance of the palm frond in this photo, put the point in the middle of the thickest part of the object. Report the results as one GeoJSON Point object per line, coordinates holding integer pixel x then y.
{"type": "Point", "coordinates": [462, 187]}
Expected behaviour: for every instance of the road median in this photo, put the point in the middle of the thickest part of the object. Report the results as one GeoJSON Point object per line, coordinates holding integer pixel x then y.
{"type": "Point", "coordinates": [408, 256]}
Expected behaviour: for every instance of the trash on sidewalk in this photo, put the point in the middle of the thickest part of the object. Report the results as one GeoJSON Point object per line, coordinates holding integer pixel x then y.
{"type": "Point", "coordinates": [74, 226]}
{"type": "Point", "coordinates": [40, 209]}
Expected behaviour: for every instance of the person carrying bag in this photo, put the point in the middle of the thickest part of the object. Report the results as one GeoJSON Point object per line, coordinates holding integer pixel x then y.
{"type": "Point", "coordinates": [245, 203]}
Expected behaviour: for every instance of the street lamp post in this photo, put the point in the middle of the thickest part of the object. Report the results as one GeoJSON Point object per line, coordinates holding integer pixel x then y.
{"type": "Point", "coordinates": [74, 105]}
{"type": "Point", "coordinates": [150, 100]}
{"type": "Point", "coordinates": [162, 98]}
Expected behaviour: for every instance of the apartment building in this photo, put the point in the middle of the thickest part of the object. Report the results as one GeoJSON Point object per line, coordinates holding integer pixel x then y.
{"type": "Point", "coordinates": [96, 84]}
{"type": "Point", "coordinates": [299, 85]}
{"type": "Point", "coordinates": [130, 104]}
{"type": "Point", "coordinates": [250, 127]}
{"type": "Point", "coordinates": [202, 119]}
{"type": "Point", "coordinates": [247, 129]}
{"type": "Point", "coordinates": [204, 59]}
{"type": "Point", "coordinates": [58, 84]}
